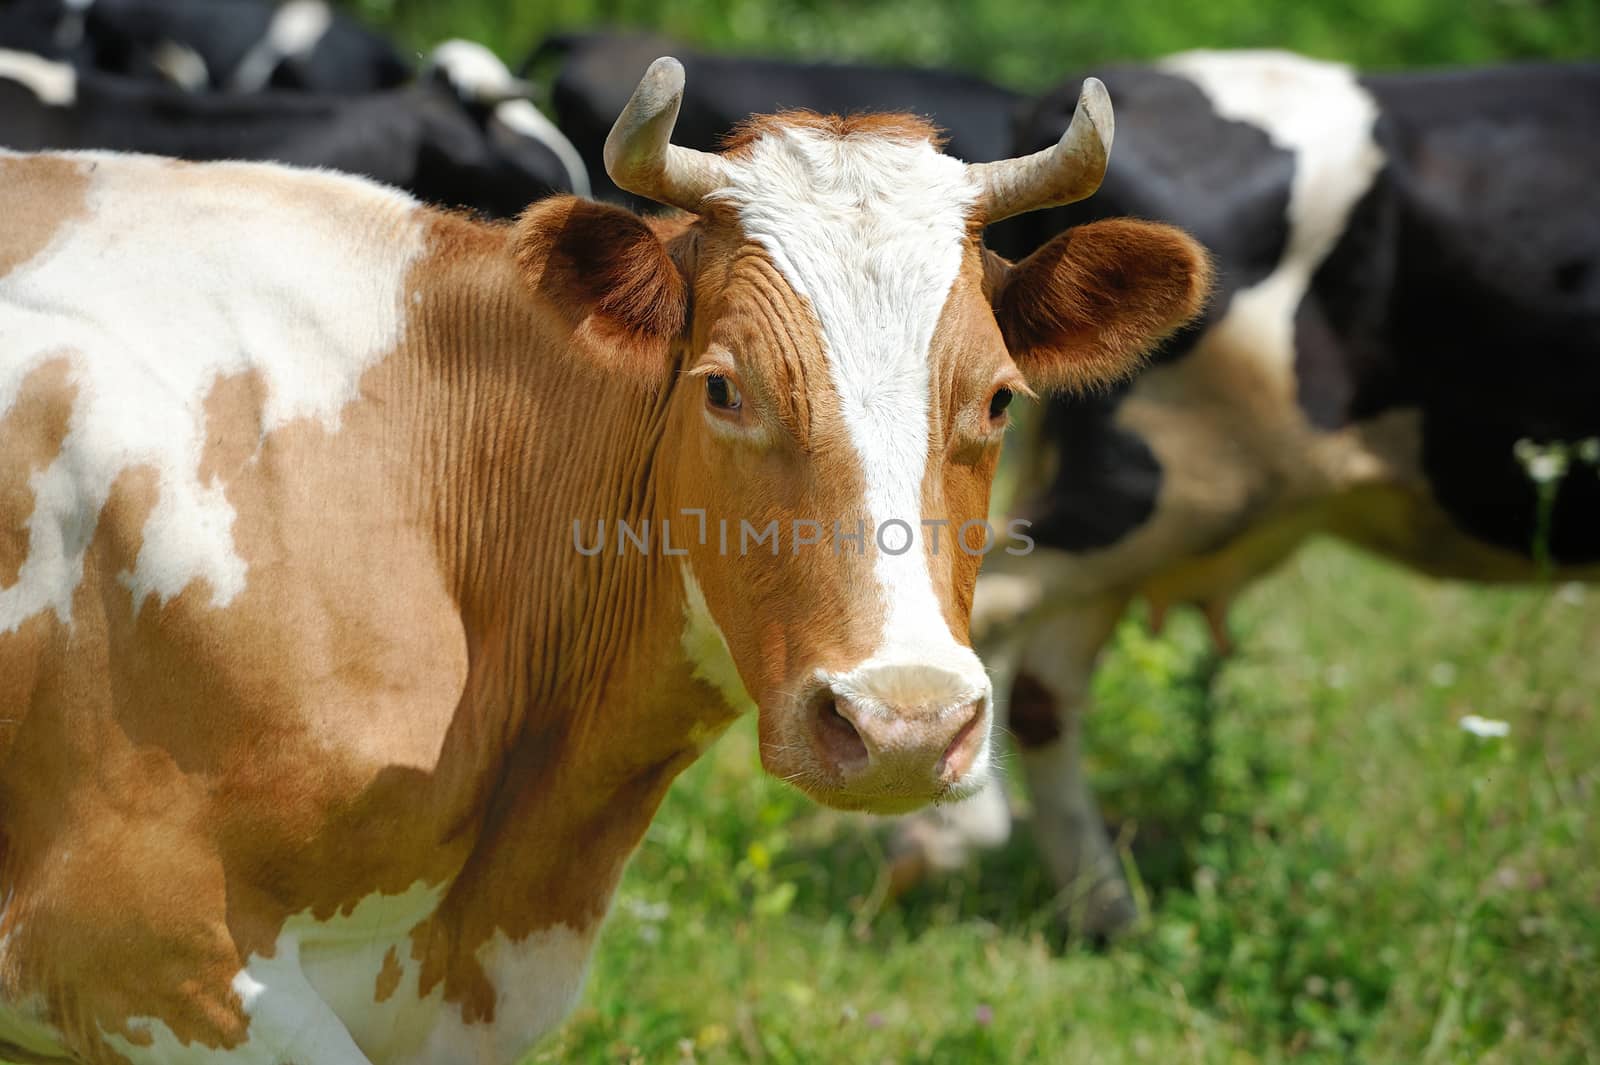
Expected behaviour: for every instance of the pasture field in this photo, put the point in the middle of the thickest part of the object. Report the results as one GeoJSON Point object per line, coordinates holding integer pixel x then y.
{"type": "Point", "coordinates": [1335, 870]}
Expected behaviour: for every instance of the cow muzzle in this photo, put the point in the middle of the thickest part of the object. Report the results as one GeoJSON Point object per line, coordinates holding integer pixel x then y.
{"type": "Point", "coordinates": [895, 736]}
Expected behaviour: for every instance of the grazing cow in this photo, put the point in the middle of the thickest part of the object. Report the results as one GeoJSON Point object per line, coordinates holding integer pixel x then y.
{"type": "Point", "coordinates": [598, 70]}
{"type": "Point", "coordinates": [326, 734]}
{"type": "Point", "coordinates": [230, 45]}
{"type": "Point", "coordinates": [420, 138]}
{"type": "Point", "coordinates": [1408, 284]}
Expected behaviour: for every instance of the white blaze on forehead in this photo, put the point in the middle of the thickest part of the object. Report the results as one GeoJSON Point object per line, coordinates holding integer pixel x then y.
{"type": "Point", "coordinates": [156, 296]}
{"type": "Point", "coordinates": [1319, 113]}
{"type": "Point", "coordinates": [53, 83]}
{"type": "Point", "coordinates": [871, 231]}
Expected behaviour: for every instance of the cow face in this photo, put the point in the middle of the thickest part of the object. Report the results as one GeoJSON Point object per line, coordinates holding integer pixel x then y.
{"type": "Point", "coordinates": [836, 405]}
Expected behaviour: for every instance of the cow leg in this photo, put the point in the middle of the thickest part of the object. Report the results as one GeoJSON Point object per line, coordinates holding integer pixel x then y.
{"type": "Point", "coordinates": [282, 1017]}
{"type": "Point", "coordinates": [289, 1017]}
{"type": "Point", "coordinates": [943, 839]}
{"type": "Point", "coordinates": [1049, 697]}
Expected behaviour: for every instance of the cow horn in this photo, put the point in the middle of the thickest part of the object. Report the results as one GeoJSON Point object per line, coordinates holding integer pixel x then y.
{"type": "Point", "coordinates": [640, 155]}
{"type": "Point", "coordinates": [1065, 173]}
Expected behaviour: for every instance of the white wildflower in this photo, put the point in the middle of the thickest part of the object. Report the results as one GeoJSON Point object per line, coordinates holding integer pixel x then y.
{"type": "Point", "coordinates": [1543, 463]}
{"type": "Point", "coordinates": [1485, 727]}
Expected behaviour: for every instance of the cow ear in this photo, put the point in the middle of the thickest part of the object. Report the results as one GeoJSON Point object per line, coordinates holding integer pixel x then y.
{"type": "Point", "coordinates": [1080, 312]}
{"type": "Point", "coordinates": [607, 274]}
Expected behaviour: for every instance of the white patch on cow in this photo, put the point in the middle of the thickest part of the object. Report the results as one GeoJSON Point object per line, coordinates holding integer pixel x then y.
{"type": "Point", "coordinates": [1319, 112]}
{"type": "Point", "coordinates": [315, 998]}
{"type": "Point", "coordinates": [478, 76]}
{"type": "Point", "coordinates": [342, 959]}
{"type": "Point", "coordinates": [55, 84]}
{"type": "Point", "coordinates": [474, 72]}
{"type": "Point", "coordinates": [294, 32]}
{"type": "Point", "coordinates": [526, 120]}
{"type": "Point", "coordinates": [298, 25]}
{"type": "Point", "coordinates": [707, 650]}
{"type": "Point", "coordinates": [153, 299]}
{"type": "Point", "coordinates": [181, 65]}
{"type": "Point", "coordinates": [871, 231]}
{"type": "Point", "coordinates": [537, 981]}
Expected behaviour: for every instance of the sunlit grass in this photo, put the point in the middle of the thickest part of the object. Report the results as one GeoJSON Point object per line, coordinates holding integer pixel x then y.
{"type": "Point", "coordinates": [1335, 869]}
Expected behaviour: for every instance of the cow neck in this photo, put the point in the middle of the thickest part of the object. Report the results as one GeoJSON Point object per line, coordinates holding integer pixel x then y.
{"type": "Point", "coordinates": [578, 686]}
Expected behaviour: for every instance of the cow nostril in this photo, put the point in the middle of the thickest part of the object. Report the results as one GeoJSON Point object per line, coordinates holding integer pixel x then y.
{"type": "Point", "coordinates": [963, 749]}
{"type": "Point", "coordinates": [837, 738]}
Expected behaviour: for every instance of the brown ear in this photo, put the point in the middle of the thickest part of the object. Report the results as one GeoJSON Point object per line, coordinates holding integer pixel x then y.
{"type": "Point", "coordinates": [607, 274]}
{"type": "Point", "coordinates": [1081, 311]}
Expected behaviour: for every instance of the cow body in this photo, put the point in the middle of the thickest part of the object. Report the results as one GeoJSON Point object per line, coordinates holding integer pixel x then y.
{"type": "Point", "coordinates": [420, 138]}
{"type": "Point", "coordinates": [598, 70]}
{"type": "Point", "coordinates": [1408, 285]}
{"type": "Point", "coordinates": [326, 736]}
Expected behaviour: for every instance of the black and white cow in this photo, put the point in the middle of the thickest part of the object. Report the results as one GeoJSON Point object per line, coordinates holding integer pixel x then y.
{"type": "Point", "coordinates": [228, 45]}
{"type": "Point", "coordinates": [1408, 285]}
{"type": "Point", "coordinates": [597, 72]}
{"type": "Point", "coordinates": [421, 138]}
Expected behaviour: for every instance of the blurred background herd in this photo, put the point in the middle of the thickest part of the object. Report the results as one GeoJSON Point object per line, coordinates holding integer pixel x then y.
{"type": "Point", "coordinates": [1331, 867]}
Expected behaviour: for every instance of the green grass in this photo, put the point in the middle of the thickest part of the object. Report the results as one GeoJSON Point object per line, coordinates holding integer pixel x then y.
{"type": "Point", "coordinates": [1335, 871]}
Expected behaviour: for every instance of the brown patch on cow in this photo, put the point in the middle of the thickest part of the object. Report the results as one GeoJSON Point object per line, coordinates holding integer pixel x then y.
{"type": "Point", "coordinates": [233, 425]}
{"type": "Point", "coordinates": [388, 976]}
{"type": "Point", "coordinates": [1034, 716]}
{"type": "Point", "coordinates": [885, 125]}
{"type": "Point", "coordinates": [39, 195]}
{"type": "Point", "coordinates": [31, 434]}
{"type": "Point", "coordinates": [1080, 312]}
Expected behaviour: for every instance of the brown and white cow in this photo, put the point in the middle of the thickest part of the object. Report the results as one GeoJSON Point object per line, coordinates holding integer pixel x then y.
{"type": "Point", "coordinates": [323, 737]}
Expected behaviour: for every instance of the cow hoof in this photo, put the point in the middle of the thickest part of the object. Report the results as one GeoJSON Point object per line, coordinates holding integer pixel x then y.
{"type": "Point", "coordinates": [1107, 914]}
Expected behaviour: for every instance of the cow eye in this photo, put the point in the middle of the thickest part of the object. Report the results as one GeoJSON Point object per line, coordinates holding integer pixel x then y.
{"type": "Point", "coordinates": [721, 393]}
{"type": "Point", "coordinates": [999, 402]}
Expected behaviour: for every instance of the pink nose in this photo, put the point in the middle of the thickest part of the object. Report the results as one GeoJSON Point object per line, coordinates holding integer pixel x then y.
{"type": "Point", "coordinates": [901, 728]}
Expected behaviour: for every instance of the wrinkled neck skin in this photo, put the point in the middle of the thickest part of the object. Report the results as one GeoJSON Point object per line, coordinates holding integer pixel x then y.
{"type": "Point", "coordinates": [579, 690]}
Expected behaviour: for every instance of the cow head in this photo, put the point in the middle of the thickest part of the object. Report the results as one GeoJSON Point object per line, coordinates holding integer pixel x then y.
{"type": "Point", "coordinates": [836, 400]}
